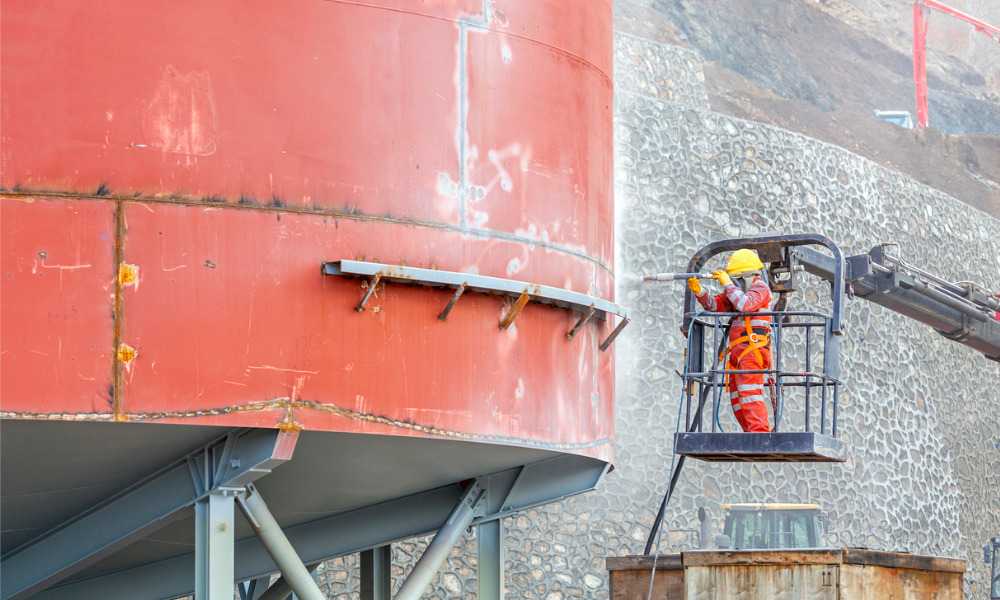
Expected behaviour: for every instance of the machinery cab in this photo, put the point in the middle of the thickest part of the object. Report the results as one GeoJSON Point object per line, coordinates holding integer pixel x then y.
{"type": "Point", "coordinates": [803, 377]}
{"type": "Point", "coordinates": [902, 118]}
{"type": "Point", "coordinates": [991, 556]}
{"type": "Point", "coordinates": [774, 526]}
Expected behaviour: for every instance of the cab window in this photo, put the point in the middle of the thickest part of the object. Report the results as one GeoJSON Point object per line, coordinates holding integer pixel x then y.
{"type": "Point", "coordinates": [749, 532]}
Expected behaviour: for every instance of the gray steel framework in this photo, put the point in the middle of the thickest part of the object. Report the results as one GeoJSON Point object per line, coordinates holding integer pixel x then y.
{"type": "Point", "coordinates": [293, 570]}
{"type": "Point", "coordinates": [376, 573]}
{"type": "Point", "coordinates": [470, 505]}
{"type": "Point", "coordinates": [240, 458]}
{"type": "Point", "coordinates": [214, 528]}
{"type": "Point", "coordinates": [503, 493]}
{"type": "Point", "coordinates": [489, 560]}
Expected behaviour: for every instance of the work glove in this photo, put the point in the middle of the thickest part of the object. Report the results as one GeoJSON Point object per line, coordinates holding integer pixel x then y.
{"type": "Point", "coordinates": [694, 286]}
{"type": "Point", "coordinates": [722, 277]}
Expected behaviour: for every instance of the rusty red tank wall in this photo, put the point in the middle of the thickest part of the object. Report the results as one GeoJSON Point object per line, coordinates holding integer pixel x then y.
{"type": "Point", "coordinates": [226, 149]}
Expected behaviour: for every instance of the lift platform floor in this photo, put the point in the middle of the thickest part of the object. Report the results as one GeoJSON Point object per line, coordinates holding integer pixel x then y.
{"type": "Point", "coordinates": [807, 446]}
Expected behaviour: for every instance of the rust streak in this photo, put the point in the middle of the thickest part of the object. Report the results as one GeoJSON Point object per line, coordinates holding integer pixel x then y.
{"type": "Point", "coordinates": [515, 310]}
{"type": "Point", "coordinates": [127, 274]}
{"type": "Point", "coordinates": [126, 353]}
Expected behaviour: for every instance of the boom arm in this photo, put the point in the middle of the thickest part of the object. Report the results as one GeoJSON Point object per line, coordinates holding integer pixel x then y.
{"type": "Point", "coordinates": [963, 314]}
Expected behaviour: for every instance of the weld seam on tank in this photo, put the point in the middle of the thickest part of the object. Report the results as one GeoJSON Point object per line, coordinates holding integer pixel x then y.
{"type": "Point", "coordinates": [117, 364]}
{"type": "Point", "coordinates": [305, 405]}
{"type": "Point", "coordinates": [463, 133]}
{"type": "Point", "coordinates": [480, 233]}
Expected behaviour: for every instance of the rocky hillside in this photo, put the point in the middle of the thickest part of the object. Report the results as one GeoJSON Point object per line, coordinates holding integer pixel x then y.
{"type": "Point", "coordinates": [822, 68]}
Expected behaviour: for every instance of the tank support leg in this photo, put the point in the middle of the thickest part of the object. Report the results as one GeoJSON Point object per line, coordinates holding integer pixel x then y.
{"type": "Point", "coordinates": [376, 573]}
{"type": "Point", "coordinates": [254, 589]}
{"type": "Point", "coordinates": [490, 558]}
{"type": "Point", "coordinates": [469, 507]}
{"type": "Point", "coordinates": [213, 550]}
{"type": "Point", "coordinates": [280, 589]}
{"type": "Point", "coordinates": [278, 547]}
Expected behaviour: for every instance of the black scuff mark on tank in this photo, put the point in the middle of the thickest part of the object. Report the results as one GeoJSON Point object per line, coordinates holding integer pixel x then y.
{"type": "Point", "coordinates": [247, 200]}
{"type": "Point", "coordinates": [103, 189]}
{"type": "Point", "coordinates": [212, 199]}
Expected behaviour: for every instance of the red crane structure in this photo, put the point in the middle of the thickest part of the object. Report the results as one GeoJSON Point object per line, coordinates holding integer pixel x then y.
{"type": "Point", "coordinates": [921, 10]}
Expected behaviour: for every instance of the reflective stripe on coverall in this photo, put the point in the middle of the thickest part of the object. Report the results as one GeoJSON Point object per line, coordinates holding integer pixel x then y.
{"type": "Point", "coordinates": [746, 391]}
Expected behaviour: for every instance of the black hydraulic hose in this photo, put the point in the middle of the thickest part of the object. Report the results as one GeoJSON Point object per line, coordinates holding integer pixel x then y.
{"type": "Point", "coordinates": [663, 505]}
{"type": "Point", "coordinates": [680, 462]}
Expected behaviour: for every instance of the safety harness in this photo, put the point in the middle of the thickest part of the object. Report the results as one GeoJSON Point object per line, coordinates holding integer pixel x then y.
{"type": "Point", "coordinates": [754, 337]}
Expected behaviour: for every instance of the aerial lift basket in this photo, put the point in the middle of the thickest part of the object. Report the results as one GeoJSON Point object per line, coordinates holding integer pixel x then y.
{"type": "Point", "coordinates": [804, 398]}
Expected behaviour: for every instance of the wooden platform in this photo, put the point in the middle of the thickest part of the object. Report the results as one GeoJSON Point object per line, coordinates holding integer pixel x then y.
{"type": "Point", "coordinates": [807, 446]}
{"type": "Point", "coordinates": [823, 574]}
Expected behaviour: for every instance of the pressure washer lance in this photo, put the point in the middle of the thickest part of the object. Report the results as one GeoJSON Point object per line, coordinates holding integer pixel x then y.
{"type": "Point", "coordinates": [676, 276]}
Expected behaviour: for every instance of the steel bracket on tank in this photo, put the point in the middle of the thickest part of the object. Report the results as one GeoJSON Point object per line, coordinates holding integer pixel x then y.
{"type": "Point", "coordinates": [522, 292]}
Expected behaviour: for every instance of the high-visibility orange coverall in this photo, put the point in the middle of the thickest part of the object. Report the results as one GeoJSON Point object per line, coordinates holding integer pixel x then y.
{"type": "Point", "coordinates": [746, 352]}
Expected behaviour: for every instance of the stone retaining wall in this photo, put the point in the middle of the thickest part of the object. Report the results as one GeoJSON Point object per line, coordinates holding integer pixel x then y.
{"type": "Point", "coordinates": [918, 411]}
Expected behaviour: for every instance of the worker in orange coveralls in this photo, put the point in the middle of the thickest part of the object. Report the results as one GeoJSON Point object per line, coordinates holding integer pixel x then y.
{"type": "Point", "coordinates": [749, 336]}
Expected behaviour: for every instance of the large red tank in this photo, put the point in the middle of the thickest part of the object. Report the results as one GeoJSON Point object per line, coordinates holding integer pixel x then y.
{"type": "Point", "coordinates": [175, 174]}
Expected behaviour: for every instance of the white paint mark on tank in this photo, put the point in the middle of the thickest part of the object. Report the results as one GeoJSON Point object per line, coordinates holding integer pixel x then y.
{"type": "Point", "coordinates": [513, 266]}
{"type": "Point", "coordinates": [499, 17]}
{"type": "Point", "coordinates": [497, 158]}
{"type": "Point", "coordinates": [181, 118]}
{"type": "Point", "coordinates": [447, 187]}
{"type": "Point", "coordinates": [505, 53]}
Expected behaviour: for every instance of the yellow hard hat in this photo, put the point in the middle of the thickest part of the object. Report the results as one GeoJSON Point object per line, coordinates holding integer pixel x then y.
{"type": "Point", "coordinates": [742, 261]}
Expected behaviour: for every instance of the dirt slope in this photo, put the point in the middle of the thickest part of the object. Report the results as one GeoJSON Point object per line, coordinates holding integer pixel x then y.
{"type": "Point", "coordinates": [822, 68]}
